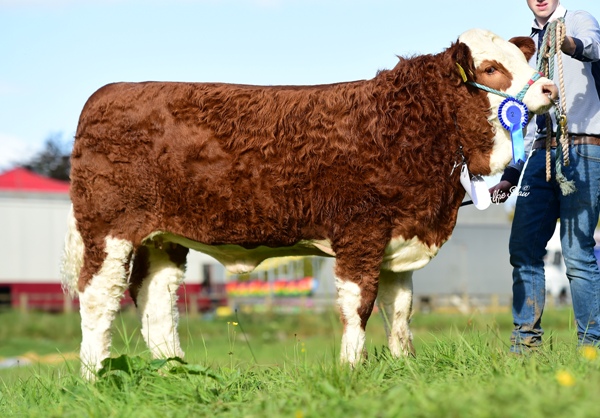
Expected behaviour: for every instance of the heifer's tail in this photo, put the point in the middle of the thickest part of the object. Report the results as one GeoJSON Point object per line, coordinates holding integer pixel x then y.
{"type": "Point", "coordinates": [72, 258]}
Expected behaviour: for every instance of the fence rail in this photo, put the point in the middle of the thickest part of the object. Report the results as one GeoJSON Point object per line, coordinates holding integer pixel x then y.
{"type": "Point", "coordinates": [192, 303]}
{"type": "Point", "coordinates": [196, 303]}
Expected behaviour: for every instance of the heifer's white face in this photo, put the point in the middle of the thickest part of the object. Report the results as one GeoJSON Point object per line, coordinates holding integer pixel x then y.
{"type": "Point", "coordinates": [503, 66]}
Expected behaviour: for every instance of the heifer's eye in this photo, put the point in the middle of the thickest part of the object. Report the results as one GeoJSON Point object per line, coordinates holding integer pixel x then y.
{"type": "Point", "coordinates": [490, 70]}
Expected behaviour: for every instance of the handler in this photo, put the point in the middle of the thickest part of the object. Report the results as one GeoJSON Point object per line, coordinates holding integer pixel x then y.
{"type": "Point", "coordinates": [541, 203]}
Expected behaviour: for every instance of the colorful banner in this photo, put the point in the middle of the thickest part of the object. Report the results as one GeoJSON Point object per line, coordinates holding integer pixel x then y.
{"type": "Point", "coordinates": [281, 288]}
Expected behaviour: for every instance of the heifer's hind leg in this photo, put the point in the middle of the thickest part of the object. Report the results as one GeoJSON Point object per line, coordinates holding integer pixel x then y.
{"type": "Point", "coordinates": [156, 275]}
{"type": "Point", "coordinates": [395, 302]}
{"type": "Point", "coordinates": [100, 301]}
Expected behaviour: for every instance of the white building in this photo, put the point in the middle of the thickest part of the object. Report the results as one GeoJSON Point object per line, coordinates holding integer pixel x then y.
{"type": "Point", "coordinates": [33, 218]}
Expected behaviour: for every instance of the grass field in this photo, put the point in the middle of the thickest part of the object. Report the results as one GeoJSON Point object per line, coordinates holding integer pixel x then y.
{"type": "Point", "coordinates": [269, 365]}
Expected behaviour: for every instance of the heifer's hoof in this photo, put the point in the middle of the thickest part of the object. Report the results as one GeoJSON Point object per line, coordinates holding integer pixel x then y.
{"type": "Point", "coordinates": [89, 373]}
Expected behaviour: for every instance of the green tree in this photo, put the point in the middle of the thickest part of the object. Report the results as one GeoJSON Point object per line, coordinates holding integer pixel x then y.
{"type": "Point", "coordinates": [53, 160]}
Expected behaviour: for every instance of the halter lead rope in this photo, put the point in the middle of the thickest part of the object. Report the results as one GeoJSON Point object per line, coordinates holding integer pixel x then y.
{"type": "Point", "coordinates": [556, 31]}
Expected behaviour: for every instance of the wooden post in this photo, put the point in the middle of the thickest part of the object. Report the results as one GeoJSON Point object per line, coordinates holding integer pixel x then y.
{"type": "Point", "coordinates": [23, 302]}
{"type": "Point", "coordinates": [193, 304]}
{"type": "Point", "coordinates": [67, 303]}
{"type": "Point", "coordinates": [550, 302]}
{"type": "Point", "coordinates": [495, 303]}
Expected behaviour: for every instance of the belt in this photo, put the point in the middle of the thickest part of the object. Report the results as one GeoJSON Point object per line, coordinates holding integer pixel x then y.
{"type": "Point", "coordinates": [574, 140]}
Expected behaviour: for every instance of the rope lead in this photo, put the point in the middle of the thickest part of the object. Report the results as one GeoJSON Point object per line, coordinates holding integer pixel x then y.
{"type": "Point", "coordinates": [556, 31]}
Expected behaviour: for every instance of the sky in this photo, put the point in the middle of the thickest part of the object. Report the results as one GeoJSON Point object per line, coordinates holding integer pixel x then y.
{"type": "Point", "coordinates": [55, 53]}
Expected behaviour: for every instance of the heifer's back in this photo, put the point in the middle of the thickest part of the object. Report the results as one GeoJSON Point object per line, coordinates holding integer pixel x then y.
{"type": "Point", "coordinates": [361, 171]}
{"type": "Point", "coordinates": [221, 164]}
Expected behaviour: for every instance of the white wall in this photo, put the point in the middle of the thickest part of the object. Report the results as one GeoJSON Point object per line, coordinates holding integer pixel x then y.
{"type": "Point", "coordinates": [33, 227]}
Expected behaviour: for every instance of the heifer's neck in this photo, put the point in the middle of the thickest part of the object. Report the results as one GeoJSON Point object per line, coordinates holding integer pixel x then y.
{"type": "Point", "coordinates": [429, 116]}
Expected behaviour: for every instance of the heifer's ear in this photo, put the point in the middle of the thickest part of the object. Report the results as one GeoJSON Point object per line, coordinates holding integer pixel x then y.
{"type": "Point", "coordinates": [525, 44]}
{"type": "Point", "coordinates": [461, 55]}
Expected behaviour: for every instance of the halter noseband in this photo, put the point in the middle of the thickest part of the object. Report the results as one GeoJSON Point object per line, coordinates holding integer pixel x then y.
{"type": "Point", "coordinates": [535, 77]}
{"type": "Point", "coordinates": [512, 112]}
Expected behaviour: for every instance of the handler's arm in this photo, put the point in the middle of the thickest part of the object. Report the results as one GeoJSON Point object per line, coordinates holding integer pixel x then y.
{"type": "Point", "coordinates": [583, 39]}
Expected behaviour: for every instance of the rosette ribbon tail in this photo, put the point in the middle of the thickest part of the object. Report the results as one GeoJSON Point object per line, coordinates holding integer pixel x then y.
{"type": "Point", "coordinates": [518, 143]}
{"type": "Point", "coordinates": [514, 115]}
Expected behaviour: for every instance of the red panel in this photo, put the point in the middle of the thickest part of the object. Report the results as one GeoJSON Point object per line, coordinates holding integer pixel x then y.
{"type": "Point", "coordinates": [20, 179]}
{"type": "Point", "coordinates": [50, 297]}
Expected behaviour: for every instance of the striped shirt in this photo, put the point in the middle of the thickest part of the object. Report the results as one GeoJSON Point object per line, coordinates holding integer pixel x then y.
{"type": "Point", "coordinates": [581, 81]}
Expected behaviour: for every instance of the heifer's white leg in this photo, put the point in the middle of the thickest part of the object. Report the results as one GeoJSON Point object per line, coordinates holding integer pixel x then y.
{"type": "Point", "coordinates": [395, 302]}
{"type": "Point", "coordinates": [157, 302]}
{"type": "Point", "coordinates": [99, 303]}
{"type": "Point", "coordinates": [358, 262]}
{"type": "Point", "coordinates": [353, 338]}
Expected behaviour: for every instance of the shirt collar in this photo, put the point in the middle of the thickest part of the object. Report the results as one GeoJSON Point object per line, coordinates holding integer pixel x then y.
{"type": "Point", "coordinates": [558, 13]}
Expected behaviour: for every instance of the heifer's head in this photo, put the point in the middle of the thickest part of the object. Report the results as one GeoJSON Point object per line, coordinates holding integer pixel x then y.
{"type": "Point", "coordinates": [491, 62]}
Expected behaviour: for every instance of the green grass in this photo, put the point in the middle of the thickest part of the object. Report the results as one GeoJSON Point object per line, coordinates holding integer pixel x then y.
{"type": "Point", "coordinates": [286, 366]}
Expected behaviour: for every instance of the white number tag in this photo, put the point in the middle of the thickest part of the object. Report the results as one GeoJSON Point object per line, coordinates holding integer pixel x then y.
{"type": "Point", "coordinates": [476, 188]}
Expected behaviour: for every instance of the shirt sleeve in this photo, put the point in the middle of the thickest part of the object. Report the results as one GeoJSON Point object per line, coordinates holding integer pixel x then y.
{"type": "Point", "coordinates": [585, 31]}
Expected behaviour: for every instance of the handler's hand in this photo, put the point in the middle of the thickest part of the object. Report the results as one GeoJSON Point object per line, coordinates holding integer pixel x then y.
{"type": "Point", "coordinates": [568, 46]}
{"type": "Point", "coordinates": [501, 191]}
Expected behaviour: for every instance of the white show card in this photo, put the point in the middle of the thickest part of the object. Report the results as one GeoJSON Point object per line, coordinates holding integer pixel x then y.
{"type": "Point", "coordinates": [476, 188]}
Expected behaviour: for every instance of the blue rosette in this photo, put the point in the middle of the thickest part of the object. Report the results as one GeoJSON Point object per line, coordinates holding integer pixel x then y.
{"type": "Point", "coordinates": [514, 115]}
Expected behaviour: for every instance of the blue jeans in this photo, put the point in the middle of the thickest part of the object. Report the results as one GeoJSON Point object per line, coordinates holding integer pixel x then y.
{"type": "Point", "coordinates": [539, 205]}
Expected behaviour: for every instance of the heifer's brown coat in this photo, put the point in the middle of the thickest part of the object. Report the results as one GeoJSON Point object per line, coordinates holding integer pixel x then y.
{"type": "Point", "coordinates": [356, 163]}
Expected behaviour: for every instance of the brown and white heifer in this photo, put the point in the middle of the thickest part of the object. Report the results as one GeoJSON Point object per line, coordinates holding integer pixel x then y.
{"type": "Point", "coordinates": [361, 171]}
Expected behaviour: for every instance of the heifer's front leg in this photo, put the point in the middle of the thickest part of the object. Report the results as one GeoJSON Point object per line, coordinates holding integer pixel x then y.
{"type": "Point", "coordinates": [99, 303]}
{"type": "Point", "coordinates": [354, 311]}
{"type": "Point", "coordinates": [356, 282]}
{"type": "Point", "coordinates": [157, 274]}
{"type": "Point", "coordinates": [395, 302]}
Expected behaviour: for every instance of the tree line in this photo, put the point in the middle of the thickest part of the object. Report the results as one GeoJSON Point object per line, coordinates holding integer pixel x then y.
{"type": "Point", "coordinates": [53, 160]}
